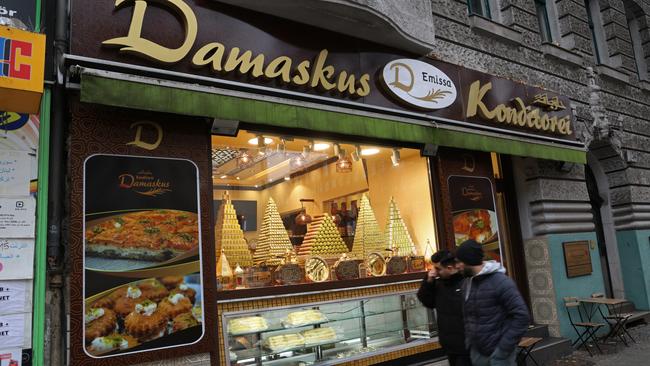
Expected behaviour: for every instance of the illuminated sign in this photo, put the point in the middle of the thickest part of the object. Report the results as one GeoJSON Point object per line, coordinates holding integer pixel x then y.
{"type": "Point", "coordinates": [22, 62]}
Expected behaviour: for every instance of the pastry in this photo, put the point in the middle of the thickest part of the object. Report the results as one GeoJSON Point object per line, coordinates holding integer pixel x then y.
{"type": "Point", "coordinates": [171, 281]}
{"type": "Point", "coordinates": [304, 317]}
{"type": "Point", "coordinates": [174, 305]}
{"type": "Point", "coordinates": [283, 342]}
{"type": "Point", "coordinates": [146, 322]}
{"type": "Point", "coordinates": [153, 290]}
{"type": "Point", "coordinates": [99, 322]}
{"type": "Point", "coordinates": [113, 342]}
{"type": "Point", "coordinates": [184, 321]}
{"type": "Point", "coordinates": [317, 270]}
{"type": "Point", "coordinates": [319, 335]}
{"type": "Point", "coordinates": [186, 290]}
{"type": "Point", "coordinates": [197, 311]}
{"type": "Point", "coordinates": [155, 235]}
{"type": "Point", "coordinates": [249, 324]}
{"type": "Point", "coordinates": [105, 302]}
{"type": "Point", "coordinates": [125, 304]}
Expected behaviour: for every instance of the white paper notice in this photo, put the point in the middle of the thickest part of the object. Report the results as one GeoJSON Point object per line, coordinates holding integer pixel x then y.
{"type": "Point", "coordinates": [15, 170]}
{"type": "Point", "coordinates": [17, 217]}
{"type": "Point", "coordinates": [15, 297]}
{"type": "Point", "coordinates": [12, 330]}
{"type": "Point", "coordinates": [11, 357]}
{"type": "Point", "coordinates": [16, 259]}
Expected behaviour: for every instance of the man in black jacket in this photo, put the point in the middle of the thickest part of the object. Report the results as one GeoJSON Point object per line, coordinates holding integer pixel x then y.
{"type": "Point", "coordinates": [496, 316]}
{"type": "Point", "coordinates": [441, 289]}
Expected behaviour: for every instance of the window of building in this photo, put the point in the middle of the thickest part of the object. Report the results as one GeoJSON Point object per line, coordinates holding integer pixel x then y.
{"type": "Point", "coordinates": [597, 32]}
{"type": "Point", "coordinates": [635, 17]}
{"type": "Point", "coordinates": [282, 200]}
{"type": "Point", "coordinates": [544, 21]}
{"type": "Point", "coordinates": [479, 7]}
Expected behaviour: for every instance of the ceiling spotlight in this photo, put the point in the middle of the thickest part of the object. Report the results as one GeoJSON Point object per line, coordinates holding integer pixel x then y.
{"type": "Point", "coordinates": [356, 154]}
{"type": "Point", "coordinates": [260, 141]}
{"type": "Point", "coordinates": [320, 146]}
{"type": "Point", "coordinates": [337, 149]}
{"type": "Point", "coordinates": [237, 178]}
{"type": "Point", "coordinates": [306, 150]}
{"type": "Point", "coordinates": [282, 146]}
{"type": "Point", "coordinates": [369, 151]}
{"type": "Point", "coordinates": [257, 186]}
{"type": "Point", "coordinates": [223, 176]}
{"type": "Point", "coordinates": [287, 178]}
{"type": "Point", "coordinates": [395, 157]}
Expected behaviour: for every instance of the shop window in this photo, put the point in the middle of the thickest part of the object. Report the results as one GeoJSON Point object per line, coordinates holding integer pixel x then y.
{"type": "Point", "coordinates": [544, 20]}
{"type": "Point", "coordinates": [597, 32]}
{"type": "Point", "coordinates": [479, 7]}
{"type": "Point", "coordinates": [292, 210]}
{"type": "Point", "coordinates": [636, 22]}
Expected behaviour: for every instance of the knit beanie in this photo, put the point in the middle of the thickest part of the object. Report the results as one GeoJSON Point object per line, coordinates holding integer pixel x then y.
{"type": "Point", "coordinates": [470, 253]}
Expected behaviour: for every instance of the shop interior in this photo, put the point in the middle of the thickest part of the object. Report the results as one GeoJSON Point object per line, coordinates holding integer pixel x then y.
{"type": "Point", "coordinates": [282, 200]}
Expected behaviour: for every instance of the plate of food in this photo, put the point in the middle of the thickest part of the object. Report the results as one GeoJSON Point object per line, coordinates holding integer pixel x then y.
{"type": "Point", "coordinates": [129, 316]}
{"type": "Point", "coordinates": [478, 224]}
{"type": "Point", "coordinates": [141, 239]}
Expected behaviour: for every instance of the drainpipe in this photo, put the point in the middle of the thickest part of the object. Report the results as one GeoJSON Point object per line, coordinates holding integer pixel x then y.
{"type": "Point", "coordinates": [57, 318]}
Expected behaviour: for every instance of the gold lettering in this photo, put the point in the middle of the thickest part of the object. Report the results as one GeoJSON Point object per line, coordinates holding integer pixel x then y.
{"type": "Point", "coordinates": [397, 83]}
{"type": "Point", "coordinates": [475, 101]}
{"type": "Point", "coordinates": [244, 62]}
{"type": "Point", "coordinates": [203, 56]}
{"type": "Point", "coordinates": [134, 43]}
{"type": "Point", "coordinates": [138, 135]}
{"type": "Point", "coordinates": [303, 73]}
{"type": "Point", "coordinates": [346, 82]}
{"type": "Point", "coordinates": [321, 73]}
{"type": "Point", "coordinates": [280, 66]}
{"type": "Point", "coordinates": [365, 85]}
{"type": "Point", "coordinates": [126, 180]}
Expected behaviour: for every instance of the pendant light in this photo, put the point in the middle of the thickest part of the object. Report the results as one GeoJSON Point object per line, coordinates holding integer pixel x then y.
{"type": "Point", "coordinates": [303, 217]}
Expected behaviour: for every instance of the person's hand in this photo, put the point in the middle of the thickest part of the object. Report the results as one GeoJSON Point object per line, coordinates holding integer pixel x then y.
{"type": "Point", "coordinates": [432, 275]}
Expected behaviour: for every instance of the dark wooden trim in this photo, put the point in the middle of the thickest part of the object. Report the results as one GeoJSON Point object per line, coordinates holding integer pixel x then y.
{"type": "Point", "coordinates": [251, 293]}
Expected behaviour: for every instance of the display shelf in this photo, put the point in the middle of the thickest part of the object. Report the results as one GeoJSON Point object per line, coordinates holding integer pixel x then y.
{"type": "Point", "coordinates": [358, 322]}
{"type": "Point", "coordinates": [312, 287]}
{"type": "Point", "coordinates": [256, 353]}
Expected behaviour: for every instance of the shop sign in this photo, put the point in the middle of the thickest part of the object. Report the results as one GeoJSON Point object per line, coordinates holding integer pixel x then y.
{"type": "Point", "coordinates": [577, 258]}
{"type": "Point", "coordinates": [419, 84]}
{"type": "Point", "coordinates": [153, 200]}
{"type": "Point", "coordinates": [225, 43]}
{"type": "Point", "coordinates": [22, 62]}
{"type": "Point", "coordinates": [474, 213]}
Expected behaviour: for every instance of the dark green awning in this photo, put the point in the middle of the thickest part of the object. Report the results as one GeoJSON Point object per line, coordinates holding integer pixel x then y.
{"type": "Point", "coordinates": [156, 97]}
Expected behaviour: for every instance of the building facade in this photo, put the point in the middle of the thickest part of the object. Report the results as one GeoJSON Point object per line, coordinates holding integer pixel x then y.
{"type": "Point", "coordinates": [570, 210]}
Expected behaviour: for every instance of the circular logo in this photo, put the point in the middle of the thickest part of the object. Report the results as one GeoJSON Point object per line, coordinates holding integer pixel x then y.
{"type": "Point", "coordinates": [419, 84]}
{"type": "Point", "coordinates": [12, 121]}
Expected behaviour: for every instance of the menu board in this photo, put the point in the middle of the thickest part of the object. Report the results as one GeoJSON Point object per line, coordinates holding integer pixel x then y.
{"type": "Point", "coordinates": [142, 254]}
{"type": "Point", "coordinates": [474, 215]}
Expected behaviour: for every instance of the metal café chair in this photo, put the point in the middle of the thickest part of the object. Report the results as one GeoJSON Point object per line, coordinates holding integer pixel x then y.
{"type": "Point", "coordinates": [589, 328]}
{"type": "Point", "coordinates": [616, 320]}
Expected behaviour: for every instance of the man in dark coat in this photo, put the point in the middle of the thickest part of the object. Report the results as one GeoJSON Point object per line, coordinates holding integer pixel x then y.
{"type": "Point", "coordinates": [496, 316]}
{"type": "Point", "coordinates": [441, 289]}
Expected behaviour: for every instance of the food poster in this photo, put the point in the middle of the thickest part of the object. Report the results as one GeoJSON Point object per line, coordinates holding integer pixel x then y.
{"type": "Point", "coordinates": [142, 254]}
{"type": "Point", "coordinates": [474, 214]}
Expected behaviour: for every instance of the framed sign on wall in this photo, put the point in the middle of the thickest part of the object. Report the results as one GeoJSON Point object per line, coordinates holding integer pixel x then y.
{"type": "Point", "coordinates": [577, 258]}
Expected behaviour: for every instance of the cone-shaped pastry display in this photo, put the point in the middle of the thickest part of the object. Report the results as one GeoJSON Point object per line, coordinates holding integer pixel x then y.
{"type": "Point", "coordinates": [273, 241]}
{"type": "Point", "coordinates": [229, 236]}
{"type": "Point", "coordinates": [224, 272]}
{"type": "Point", "coordinates": [428, 252]}
{"type": "Point", "coordinates": [397, 236]}
{"type": "Point", "coordinates": [367, 237]}
{"type": "Point", "coordinates": [323, 238]}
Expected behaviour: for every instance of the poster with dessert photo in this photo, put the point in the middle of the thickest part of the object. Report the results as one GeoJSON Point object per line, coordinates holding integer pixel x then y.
{"type": "Point", "coordinates": [474, 214]}
{"type": "Point", "coordinates": [142, 254]}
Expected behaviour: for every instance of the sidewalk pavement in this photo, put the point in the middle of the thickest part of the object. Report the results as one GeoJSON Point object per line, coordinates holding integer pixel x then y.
{"type": "Point", "coordinates": [637, 354]}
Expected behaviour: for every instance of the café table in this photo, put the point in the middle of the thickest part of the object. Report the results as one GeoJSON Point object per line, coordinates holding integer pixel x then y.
{"type": "Point", "coordinates": [616, 318]}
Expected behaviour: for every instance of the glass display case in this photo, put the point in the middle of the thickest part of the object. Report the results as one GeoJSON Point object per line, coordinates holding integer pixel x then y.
{"type": "Point", "coordinates": [328, 332]}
